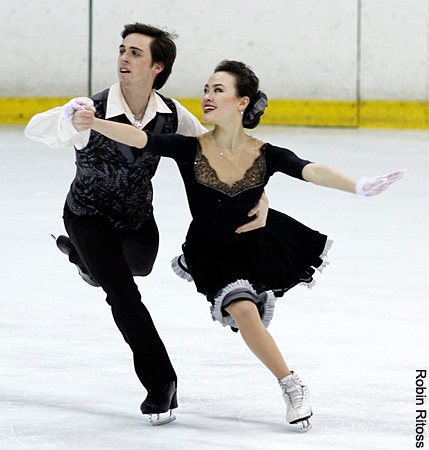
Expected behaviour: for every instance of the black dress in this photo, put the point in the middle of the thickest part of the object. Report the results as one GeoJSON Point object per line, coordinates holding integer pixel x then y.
{"type": "Point", "coordinates": [259, 265]}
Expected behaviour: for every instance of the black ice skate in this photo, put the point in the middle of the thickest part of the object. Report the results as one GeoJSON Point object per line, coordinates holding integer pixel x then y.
{"type": "Point", "coordinates": [160, 402]}
{"type": "Point", "coordinates": [66, 246]}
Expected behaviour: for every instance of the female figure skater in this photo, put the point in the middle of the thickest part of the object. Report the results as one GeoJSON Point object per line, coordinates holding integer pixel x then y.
{"type": "Point", "coordinates": [225, 172]}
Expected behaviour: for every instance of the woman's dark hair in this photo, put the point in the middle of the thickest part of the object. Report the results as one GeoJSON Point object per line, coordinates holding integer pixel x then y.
{"type": "Point", "coordinates": [162, 47]}
{"type": "Point", "coordinates": [246, 85]}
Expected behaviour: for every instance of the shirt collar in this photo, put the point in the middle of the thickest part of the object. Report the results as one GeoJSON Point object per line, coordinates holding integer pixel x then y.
{"type": "Point", "coordinates": [116, 105]}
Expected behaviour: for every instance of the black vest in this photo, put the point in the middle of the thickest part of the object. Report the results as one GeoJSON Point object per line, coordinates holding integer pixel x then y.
{"type": "Point", "coordinates": [113, 180]}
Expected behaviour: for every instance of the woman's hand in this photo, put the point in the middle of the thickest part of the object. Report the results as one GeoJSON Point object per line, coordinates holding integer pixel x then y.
{"type": "Point", "coordinates": [368, 187]}
{"type": "Point", "coordinates": [75, 104]}
{"type": "Point", "coordinates": [83, 117]}
{"type": "Point", "coordinates": [260, 210]}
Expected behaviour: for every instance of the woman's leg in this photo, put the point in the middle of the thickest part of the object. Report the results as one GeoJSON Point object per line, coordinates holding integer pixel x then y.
{"type": "Point", "coordinates": [257, 337]}
{"type": "Point", "coordinates": [259, 340]}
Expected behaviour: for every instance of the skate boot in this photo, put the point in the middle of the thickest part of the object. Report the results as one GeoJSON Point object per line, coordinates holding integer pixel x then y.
{"type": "Point", "coordinates": [296, 396]}
{"type": "Point", "coordinates": [66, 246]}
{"type": "Point", "coordinates": [160, 402]}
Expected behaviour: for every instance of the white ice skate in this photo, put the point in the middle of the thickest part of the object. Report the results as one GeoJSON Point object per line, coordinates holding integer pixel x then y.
{"type": "Point", "coordinates": [296, 396]}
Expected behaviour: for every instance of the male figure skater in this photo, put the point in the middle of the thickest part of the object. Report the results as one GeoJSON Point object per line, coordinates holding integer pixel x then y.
{"type": "Point", "coordinates": [108, 213]}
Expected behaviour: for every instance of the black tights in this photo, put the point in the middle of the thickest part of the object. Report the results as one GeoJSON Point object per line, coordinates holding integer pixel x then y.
{"type": "Point", "coordinates": [112, 257]}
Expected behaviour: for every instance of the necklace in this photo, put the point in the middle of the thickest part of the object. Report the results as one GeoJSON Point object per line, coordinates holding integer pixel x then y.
{"type": "Point", "coordinates": [219, 151]}
{"type": "Point", "coordinates": [137, 122]}
{"type": "Point", "coordinates": [232, 155]}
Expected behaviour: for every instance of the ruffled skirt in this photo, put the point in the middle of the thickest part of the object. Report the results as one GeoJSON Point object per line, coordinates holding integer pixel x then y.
{"type": "Point", "coordinates": [260, 266]}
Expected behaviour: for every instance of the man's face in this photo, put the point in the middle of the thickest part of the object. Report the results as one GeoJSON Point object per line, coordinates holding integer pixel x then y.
{"type": "Point", "coordinates": [135, 66]}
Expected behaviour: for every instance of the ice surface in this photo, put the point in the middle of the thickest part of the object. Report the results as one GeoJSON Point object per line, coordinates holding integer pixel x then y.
{"type": "Point", "coordinates": [66, 375]}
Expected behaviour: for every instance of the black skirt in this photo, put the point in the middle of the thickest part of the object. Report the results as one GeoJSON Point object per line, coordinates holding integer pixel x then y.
{"type": "Point", "coordinates": [274, 258]}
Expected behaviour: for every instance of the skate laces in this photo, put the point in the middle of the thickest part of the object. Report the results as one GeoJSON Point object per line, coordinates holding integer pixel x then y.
{"type": "Point", "coordinates": [294, 391]}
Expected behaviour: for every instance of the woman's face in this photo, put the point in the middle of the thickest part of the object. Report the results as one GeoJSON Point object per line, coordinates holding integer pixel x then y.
{"type": "Point", "coordinates": [220, 102]}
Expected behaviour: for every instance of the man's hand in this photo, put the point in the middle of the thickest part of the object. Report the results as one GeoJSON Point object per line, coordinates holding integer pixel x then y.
{"type": "Point", "coordinates": [83, 118]}
{"type": "Point", "coordinates": [260, 210]}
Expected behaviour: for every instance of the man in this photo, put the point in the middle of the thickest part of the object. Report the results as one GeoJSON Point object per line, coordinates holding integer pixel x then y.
{"type": "Point", "coordinates": [108, 212]}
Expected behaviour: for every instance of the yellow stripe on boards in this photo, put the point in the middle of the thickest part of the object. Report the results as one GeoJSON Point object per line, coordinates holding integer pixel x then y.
{"type": "Point", "coordinates": [322, 113]}
{"type": "Point", "coordinates": [21, 110]}
{"type": "Point", "coordinates": [194, 106]}
{"type": "Point", "coordinates": [297, 112]}
{"type": "Point", "coordinates": [394, 114]}
{"type": "Point", "coordinates": [329, 113]}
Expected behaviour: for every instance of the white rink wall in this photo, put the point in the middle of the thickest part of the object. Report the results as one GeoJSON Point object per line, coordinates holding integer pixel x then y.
{"type": "Point", "coordinates": [304, 49]}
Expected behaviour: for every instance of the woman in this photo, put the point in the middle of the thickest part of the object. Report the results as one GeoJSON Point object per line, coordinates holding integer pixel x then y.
{"type": "Point", "coordinates": [225, 172]}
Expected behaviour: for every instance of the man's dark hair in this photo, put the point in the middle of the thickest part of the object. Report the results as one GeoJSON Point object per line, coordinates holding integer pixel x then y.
{"type": "Point", "coordinates": [162, 47]}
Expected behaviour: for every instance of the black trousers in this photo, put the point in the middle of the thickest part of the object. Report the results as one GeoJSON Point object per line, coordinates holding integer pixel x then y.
{"type": "Point", "coordinates": [112, 257]}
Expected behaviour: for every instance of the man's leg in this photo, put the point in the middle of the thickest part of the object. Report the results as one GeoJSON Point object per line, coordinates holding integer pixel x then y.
{"type": "Point", "coordinates": [101, 250]}
{"type": "Point", "coordinates": [66, 246]}
{"type": "Point", "coordinates": [141, 247]}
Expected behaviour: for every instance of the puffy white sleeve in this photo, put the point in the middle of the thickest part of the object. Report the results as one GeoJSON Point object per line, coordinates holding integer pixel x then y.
{"type": "Point", "coordinates": [53, 129]}
{"type": "Point", "coordinates": [188, 124]}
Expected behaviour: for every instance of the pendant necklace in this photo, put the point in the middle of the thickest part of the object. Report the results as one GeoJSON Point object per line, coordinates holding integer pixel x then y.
{"type": "Point", "coordinates": [137, 122]}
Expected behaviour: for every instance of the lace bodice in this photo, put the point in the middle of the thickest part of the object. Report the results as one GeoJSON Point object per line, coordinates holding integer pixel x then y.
{"type": "Point", "coordinates": [207, 175]}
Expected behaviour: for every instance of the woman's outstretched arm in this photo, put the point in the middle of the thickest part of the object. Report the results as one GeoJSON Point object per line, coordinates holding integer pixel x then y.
{"type": "Point", "coordinates": [327, 176]}
{"type": "Point", "coordinates": [120, 132]}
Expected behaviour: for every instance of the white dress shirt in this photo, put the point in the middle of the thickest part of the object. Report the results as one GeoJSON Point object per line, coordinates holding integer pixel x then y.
{"type": "Point", "coordinates": [51, 128]}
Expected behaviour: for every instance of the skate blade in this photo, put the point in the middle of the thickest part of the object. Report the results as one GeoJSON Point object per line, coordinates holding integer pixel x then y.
{"type": "Point", "coordinates": [161, 418]}
{"type": "Point", "coordinates": [304, 425]}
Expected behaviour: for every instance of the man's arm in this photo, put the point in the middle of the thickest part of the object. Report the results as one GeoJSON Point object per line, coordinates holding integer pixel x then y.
{"type": "Point", "coordinates": [55, 129]}
{"type": "Point", "coordinates": [260, 211]}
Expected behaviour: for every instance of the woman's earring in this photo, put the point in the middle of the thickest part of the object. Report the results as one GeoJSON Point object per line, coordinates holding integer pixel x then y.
{"type": "Point", "coordinates": [241, 112]}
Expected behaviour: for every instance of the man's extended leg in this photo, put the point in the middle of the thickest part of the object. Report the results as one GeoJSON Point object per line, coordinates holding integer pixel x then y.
{"type": "Point", "coordinates": [66, 246]}
{"type": "Point", "coordinates": [140, 248]}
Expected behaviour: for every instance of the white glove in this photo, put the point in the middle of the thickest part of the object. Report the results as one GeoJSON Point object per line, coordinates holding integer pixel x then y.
{"type": "Point", "coordinates": [367, 187]}
{"type": "Point", "coordinates": [75, 104]}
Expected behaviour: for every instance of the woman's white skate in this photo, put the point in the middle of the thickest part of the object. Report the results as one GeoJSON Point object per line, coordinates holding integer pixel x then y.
{"type": "Point", "coordinates": [297, 398]}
